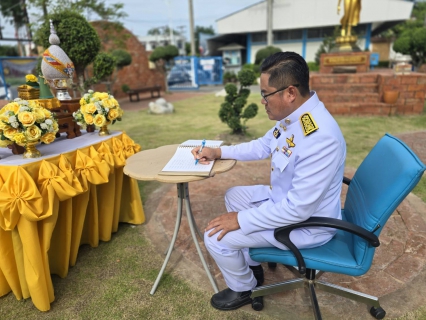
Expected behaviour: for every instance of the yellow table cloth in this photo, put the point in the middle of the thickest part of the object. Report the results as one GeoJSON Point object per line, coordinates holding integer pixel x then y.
{"type": "Point", "coordinates": [75, 194]}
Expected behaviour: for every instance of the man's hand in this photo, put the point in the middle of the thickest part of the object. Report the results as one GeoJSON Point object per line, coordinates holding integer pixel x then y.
{"type": "Point", "coordinates": [225, 223]}
{"type": "Point", "coordinates": [206, 155]}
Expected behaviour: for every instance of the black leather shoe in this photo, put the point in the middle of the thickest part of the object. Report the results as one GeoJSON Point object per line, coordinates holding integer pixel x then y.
{"type": "Point", "coordinates": [230, 300]}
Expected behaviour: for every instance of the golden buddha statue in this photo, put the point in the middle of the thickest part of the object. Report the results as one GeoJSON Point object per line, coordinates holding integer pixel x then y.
{"type": "Point", "coordinates": [352, 10]}
{"type": "Point", "coordinates": [351, 15]}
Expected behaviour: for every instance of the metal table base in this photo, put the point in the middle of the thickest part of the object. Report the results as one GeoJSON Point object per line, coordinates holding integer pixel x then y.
{"type": "Point", "coordinates": [183, 197]}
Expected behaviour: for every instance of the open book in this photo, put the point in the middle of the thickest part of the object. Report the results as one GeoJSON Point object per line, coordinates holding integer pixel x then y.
{"type": "Point", "coordinates": [183, 164]}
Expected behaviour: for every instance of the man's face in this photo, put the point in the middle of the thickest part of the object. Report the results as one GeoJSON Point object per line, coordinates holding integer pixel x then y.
{"type": "Point", "coordinates": [277, 105]}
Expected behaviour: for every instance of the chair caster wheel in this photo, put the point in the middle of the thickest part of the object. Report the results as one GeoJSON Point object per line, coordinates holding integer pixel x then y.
{"type": "Point", "coordinates": [377, 313]}
{"type": "Point", "coordinates": [257, 303]}
{"type": "Point", "coordinates": [272, 265]}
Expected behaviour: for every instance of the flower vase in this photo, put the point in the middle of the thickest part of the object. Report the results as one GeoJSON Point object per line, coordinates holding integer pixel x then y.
{"type": "Point", "coordinates": [31, 151]}
{"type": "Point", "coordinates": [103, 131]}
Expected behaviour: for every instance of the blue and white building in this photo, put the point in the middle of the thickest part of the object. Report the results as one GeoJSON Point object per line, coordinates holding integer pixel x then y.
{"type": "Point", "coordinates": [299, 26]}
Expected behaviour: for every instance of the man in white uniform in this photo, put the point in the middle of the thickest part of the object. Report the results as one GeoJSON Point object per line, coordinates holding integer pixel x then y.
{"type": "Point", "coordinates": [307, 152]}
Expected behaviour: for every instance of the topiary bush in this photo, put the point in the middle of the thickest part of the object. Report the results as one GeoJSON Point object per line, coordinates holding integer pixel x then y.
{"type": "Point", "coordinates": [262, 54]}
{"type": "Point", "coordinates": [313, 66]}
{"type": "Point", "coordinates": [125, 88]}
{"type": "Point", "coordinates": [104, 65]}
{"type": "Point", "coordinates": [253, 67]}
{"type": "Point", "coordinates": [232, 111]}
{"type": "Point", "coordinates": [122, 57]}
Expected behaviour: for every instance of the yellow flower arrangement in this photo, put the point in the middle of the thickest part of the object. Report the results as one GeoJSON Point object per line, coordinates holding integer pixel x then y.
{"type": "Point", "coordinates": [31, 78]}
{"type": "Point", "coordinates": [24, 121]}
{"type": "Point", "coordinates": [97, 108]}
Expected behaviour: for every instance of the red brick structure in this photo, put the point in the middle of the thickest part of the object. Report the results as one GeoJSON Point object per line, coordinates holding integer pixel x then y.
{"type": "Point", "coordinates": [136, 75]}
{"type": "Point", "coordinates": [362, 93]}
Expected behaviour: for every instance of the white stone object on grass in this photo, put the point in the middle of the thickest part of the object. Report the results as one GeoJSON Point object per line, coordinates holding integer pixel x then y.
{"type": "Point", "coordinates": [221, 93]}
{"type": "Point", "coordinates": [160, 106]}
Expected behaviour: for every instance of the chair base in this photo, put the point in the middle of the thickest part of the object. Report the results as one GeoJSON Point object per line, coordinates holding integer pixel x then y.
{"type": "Point", "coordinates": [310, 283]}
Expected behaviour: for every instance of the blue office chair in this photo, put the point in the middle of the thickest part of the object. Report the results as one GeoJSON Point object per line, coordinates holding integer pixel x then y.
{"type": "Point", "coordinates": [385, 177]}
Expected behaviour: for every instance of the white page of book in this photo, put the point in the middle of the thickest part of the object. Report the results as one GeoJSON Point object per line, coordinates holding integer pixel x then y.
{"type": "Point", "coordinates": [197, 143]}
{"type": "Point", "coordinates": [183, 161]}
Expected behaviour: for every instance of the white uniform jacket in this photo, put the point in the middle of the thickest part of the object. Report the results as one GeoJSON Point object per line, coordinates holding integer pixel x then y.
{"type": "Point", "coordinates": [308, 154]}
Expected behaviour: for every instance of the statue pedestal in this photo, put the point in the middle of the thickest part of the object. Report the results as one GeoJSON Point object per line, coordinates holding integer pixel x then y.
{"type": "Point", "coordinates": [346, 44]}
{"type": "Point", "coordinates": [345, 62]}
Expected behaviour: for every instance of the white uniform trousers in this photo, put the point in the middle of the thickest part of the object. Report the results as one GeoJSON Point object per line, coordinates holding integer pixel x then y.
{"type": "Point", "coordinates": [232, 254]}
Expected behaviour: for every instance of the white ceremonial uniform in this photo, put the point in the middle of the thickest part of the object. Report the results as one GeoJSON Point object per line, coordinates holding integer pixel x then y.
{"type": "Point", "coordinates": [308, 154]}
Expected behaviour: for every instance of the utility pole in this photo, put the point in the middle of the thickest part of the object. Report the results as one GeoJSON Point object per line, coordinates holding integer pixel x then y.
{"type": "Point", "coordinates": [269, 22]}
{"type": "Point", "coordinates": [171, 31]}
{"type": "Point", "coordinates": [191, 28]}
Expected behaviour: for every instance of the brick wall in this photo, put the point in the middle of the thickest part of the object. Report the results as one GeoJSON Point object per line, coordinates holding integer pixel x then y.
{"type": "Point", "coordinates": [362, 93]}
{"type": "Point", "coordinates": [138, 74]}
{"type": "Point", "coordinates": [411, 88]}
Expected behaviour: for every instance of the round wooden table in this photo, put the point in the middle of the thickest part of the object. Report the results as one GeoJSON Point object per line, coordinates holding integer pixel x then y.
{"type": "Point", "coordinates": [145, 166]}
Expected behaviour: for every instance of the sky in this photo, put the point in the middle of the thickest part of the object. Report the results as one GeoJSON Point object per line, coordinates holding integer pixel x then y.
{"type": "Point", "coordinates": [143, 15]}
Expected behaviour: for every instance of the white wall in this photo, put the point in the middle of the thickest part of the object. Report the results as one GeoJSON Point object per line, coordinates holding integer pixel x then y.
{"type": "Point", "coordinates": [311, 49]}
{"type": "Point", "coordinates": [295, 47]}
{"type": "Point", "coordinates": [291, 14]}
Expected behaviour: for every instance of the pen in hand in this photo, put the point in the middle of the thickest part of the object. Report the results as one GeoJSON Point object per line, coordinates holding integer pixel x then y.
{"type": "Point", "coordinates": [201, 149]}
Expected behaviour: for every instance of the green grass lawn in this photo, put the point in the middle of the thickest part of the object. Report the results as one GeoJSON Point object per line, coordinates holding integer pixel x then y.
{"type": "Point", "coordinates": [113, 281]}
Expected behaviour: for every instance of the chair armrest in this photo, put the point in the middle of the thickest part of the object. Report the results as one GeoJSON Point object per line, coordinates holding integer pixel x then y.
{"type": "Point", "coordinates": [283, 234]}
{"type": "Point", "coordinates": [346, 181]}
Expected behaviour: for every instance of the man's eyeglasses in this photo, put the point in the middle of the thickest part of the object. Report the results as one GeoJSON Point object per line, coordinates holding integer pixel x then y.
{"type": "Point", "coordinates": [264, 96]}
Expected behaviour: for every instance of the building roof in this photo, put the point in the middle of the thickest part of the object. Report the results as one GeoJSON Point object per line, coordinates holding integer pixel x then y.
{"type": "Point", "coordinates": [291, 14]}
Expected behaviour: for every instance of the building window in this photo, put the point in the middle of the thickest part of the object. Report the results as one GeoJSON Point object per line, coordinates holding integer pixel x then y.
{"type": "Point", "coordinates": [360, 30]}
{"type": "Point", "coordinates": [320, 32]}
{"type": "Point", "coordinates": [283, 35]}
{"type": "Point", "coordinates": [258, 37]}
{"type": "Point", "coordinates": [232, 57]}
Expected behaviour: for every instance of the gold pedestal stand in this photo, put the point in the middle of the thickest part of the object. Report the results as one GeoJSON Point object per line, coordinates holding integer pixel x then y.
{"type": "Point", "coordinates": [346, 44]}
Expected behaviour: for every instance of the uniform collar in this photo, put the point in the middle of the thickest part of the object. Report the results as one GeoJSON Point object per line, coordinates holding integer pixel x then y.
{"type": "Point", "coordinates": [292, 118]}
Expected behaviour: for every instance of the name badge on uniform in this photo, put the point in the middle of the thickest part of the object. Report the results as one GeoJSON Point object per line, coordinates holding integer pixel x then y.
{"type": "Point", "coordinates": [276, 133]}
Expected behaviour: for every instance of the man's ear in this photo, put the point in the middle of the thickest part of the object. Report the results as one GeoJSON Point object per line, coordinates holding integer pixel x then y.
{"type": "Point", "coordinates": [292, 93]}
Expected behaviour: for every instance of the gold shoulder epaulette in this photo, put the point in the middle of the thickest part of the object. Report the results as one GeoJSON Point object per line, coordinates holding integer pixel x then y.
{"type": "Point", "coordinates": [308, 123]}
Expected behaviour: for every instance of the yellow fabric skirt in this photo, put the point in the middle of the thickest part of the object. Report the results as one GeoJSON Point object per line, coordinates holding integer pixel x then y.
{"type": "Point", "coordinates": [50, 207]}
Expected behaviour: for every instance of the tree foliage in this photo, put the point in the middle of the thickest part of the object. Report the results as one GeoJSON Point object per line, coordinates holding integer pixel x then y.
{"type": "Point", "coordinates": [106, 11]}
{"type": "Point", "coordinates": [122, 58]}
{"type": "Point", "coordinates": [104, 65]}
{"type": "Point", "coordinates": [328, 43]}
{"type": "Point", "coordinates": [12, 11]}
{"type": "Point", "coordinates": [411, 35]}
{"type": "Point", "coordinates": [9, 51]}
{"type": "Point", "coordinates": [262, 54]}
{"type": "Point", "coordinates": [78, 39]}
{"type": "Point", "coordinates": [162, 31]}
{"type": "Point", "coordinates": [165, 53]}
{"type": "Point", "coordinates": [197, 30]}
{"type": "Point", "coordinates": [232, 111]}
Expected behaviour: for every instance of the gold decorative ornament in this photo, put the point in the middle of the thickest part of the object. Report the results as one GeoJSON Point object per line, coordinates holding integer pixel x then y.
{"type": "Point", "coordinates": [57, 67]}
{"type": "Point", "coordinates": [31, 150]}
{"type": "Point", "coordinates": [308, 123]}
{"type": "Point", "coordinates": [103, 131]}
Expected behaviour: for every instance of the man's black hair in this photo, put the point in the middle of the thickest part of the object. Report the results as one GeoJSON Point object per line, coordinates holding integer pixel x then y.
{"type": "Point", "coordinates": [285, 69]}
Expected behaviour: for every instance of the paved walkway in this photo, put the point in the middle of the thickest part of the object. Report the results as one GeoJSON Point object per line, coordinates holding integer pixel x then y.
{"type": "Point", "coordinates": [397, 276]}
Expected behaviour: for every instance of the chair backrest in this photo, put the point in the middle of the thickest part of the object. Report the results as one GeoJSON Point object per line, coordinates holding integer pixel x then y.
{"type": "Point", "coordinates": [385, 177]}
